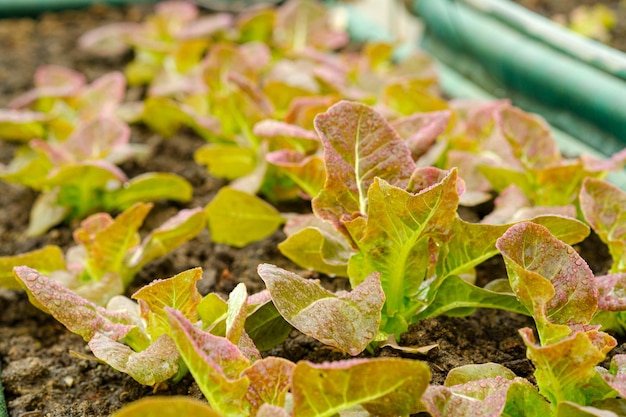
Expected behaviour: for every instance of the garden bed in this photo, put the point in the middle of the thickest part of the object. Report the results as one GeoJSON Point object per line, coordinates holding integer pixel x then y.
{"type": "Point", "coordinates": [42, 377]}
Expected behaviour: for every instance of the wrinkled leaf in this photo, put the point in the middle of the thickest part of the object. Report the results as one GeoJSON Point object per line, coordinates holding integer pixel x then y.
{"type": "Point", "coordinates": [270, 380]}
{"type": "Point", "coordinates": [565, 370]}
{"type": "Point", "coordinates": [347, 321]}
{"type": "Point", "coordinates": [77, 314]}
{"type": "Point", "coordinates": [158, 363]}
{"type": "Point", "coordinates": [604, 208]}
{"type": "Point", "coordinates": [359, 146]}
{"type": "Point", "coordinates": [178, 292]}
{"type": "Point", "coordinates": [549, 278]}
{"type": "Point", "coordinates": [385, 386]}
{"type": "Point", "coordinates": [215, 363]}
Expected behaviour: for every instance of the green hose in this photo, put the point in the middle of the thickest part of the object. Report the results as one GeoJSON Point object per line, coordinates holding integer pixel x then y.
{"type": "Point", "coordinates": [34, 7]}
{"type": "Point", "coordinates": [581, 99]}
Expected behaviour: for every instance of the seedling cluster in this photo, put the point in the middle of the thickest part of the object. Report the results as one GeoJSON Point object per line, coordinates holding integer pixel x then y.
{"type": "Point", "coordinates": [288, 112]}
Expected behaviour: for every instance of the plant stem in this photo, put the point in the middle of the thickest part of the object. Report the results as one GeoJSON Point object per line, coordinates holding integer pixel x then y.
{"type": "Point", "coordinates": [3, 405]}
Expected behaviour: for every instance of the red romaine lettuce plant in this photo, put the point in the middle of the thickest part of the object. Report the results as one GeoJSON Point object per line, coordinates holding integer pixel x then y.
{"type": "Point", "coordinates": [394, 219]}
{"type": "Point", "coordinates": [555, 284]}
{"type": "Point", "coordinates": [109, 252]}
{"type": "Point", "coordinates": [135, 337]}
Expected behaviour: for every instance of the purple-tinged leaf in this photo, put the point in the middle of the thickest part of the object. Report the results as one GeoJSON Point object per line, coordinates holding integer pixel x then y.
{"type": "Point", "coordinates": [347, 321]}
{"type": "Point", "coordinates": [359, 146]}
{"type": "Point", "coordinates": [286, 136]}
{"type": "Point", "coordinates": [302, 110]}
{"type": "Point", "coordinates": [401, 238]}
{"type": "Point", "coordinates": [308, 172]}
{"type": "Point", "coordinates": [615, 376]}
{"type": "Point", "coordinates": [602, 165]}
{"type": "Point", "coordinates": [215, 363]}
{"type": "Point", "coordinates": [205, 26]}
{"type": "Point", "coordinates": [420, 130]}
{"type": "Point", "coordinates": [604, 208]}
{"type": "Point", "coordinates": [611, 292]}
{"type": "Point", "coordinates": [178, 293]}
{"type": "Point", "coordinates": [268, 410]}
{"type": "Point", "coordinates": [21, 125]}
{"type": "Point", "coordinates": [314, 244]}
{"type": "Point", "coordinates": [102, 96]}
{"type": "Point", "coordinates": [44, 260]}
{"type": "Point", "coordinates": [109, 40]}
{"type": "Point", "coordinates": [237, 218]}
{"type": "Point", "coordinates": [51, 81]}
{"type": "Point", "coordinates": [108, 241]}
{"type": "Point", "coordinates": [529, 136]}
{"type": "Point", "coordinates": [165, 116]}
{"type": "Point", "coordinates": [98, 138]}
{"type": "Point", "coordinates": [77, 314]}
{"type": "Point", "coordinates": [303, 23]}
{"type": "Point", "coordinates": [488, 390]}
{"type": "Point", "coordinates": [566, 370]}
{"type": "Point", "coordinates": [611, 407]}
{"type": "Point", "coordinates": [549, 278]}
{"type": "Point", "coordinates": [386, 387]}
{"type": "Point", "coordinates": [170, 406]}
{"type": "Point", "coordinates": [156, 364]}
{"type": "Point", "coordinates": [270, 379]}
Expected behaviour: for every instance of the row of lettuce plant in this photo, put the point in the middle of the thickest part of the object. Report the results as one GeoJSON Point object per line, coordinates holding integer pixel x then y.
{"type": "Point", "coordinates": [386, 183]}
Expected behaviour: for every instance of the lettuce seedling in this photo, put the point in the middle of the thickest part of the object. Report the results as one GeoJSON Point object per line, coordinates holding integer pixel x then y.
{"type": "Point", "coordinates": [134, 337]}
{"type": "Point", "coordinates": [395, 219]}
{"type": "Point", "coordinates": [555, 284]}
{"type": "Point", "coordinates": [234, 385]}
{"type": "Point", "coordinates": [534, 164]}
{"type": "Point", "coordinates": [78, 176]}
{"type": "Point", "coordinates": [109, 252]}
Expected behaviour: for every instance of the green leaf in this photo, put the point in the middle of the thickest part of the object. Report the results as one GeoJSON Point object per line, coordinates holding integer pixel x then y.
{"type": "Point", "coordinates": [270, 379]}
{"type": "Point", "coordinates": [215, 363]}
{"type": "Point", "coordinates": [212, 311]}
{"type": "Point", "coordinates": [359, 146]}
{"type": "Point", "coordinates": [267, 327]}
{"type": "Point", "coordinates": [384, 386]}
{"type": "Point", "coordinates": [177, 230]}
{"type": "Point", "coordinates": [604, 208]}
{"type": "Point", "coordinates": [151, 186]}
{"type": "Point", "coordinates": [171, 406]}
{"type": "Point", "coordinates": [46, 213]}
{"type": "Point", "coordinates": [549, 278]}
{"type": "Point", "coordinates": [315, 244]}
{"type": "Point", "coordinates": [566, 370]}
{"type": "Point", "coordinates": [156, 364]}
{"type": "Point", "coordinates": [236, 313]}
{"type": "Point", "coordinates": [347, 321]}
{"type": "Point", "coordinates": [178, 292]}
{"type": "Point", "coordinates": [456, 293]}
{"type": "Point", "coordinates": [401, 239]}
{"type": "Point", "coordinates": [44, 260]}
{"type": "Point", "coordinates": [237, 218]}
{"type": "Point", "coordinates": [308, 172]}
{"type": "Point", "coordinates": [227, 161]}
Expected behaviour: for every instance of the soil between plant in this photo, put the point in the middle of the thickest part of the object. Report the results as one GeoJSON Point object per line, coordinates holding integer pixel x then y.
{"type": "Point", "coordinates": [40, 375]}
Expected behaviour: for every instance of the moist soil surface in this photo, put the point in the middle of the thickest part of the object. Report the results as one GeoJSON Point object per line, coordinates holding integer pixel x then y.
{"type": "Point", "coordinates": [42, 377]}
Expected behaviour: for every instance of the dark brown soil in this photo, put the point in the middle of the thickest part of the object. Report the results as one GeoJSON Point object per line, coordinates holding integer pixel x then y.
{"type": "Point", "coordinates": [39, 373]}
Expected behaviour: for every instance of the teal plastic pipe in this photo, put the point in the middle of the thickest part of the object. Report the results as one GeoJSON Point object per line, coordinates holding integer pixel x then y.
{"type": "Point", "coordinates": [584, 101]}
{"type": "Point", "coordinates": [11, 8]}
